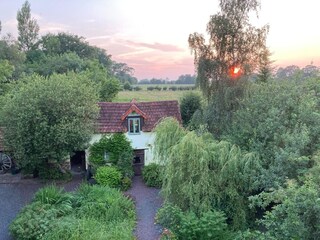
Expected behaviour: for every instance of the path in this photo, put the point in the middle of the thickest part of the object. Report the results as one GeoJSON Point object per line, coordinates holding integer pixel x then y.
{"type": "Point", "coordinates": [148, 202]}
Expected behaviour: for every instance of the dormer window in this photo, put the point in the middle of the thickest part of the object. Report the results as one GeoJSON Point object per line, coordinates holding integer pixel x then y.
{"type": "Point", "coordinates": [134, 125]}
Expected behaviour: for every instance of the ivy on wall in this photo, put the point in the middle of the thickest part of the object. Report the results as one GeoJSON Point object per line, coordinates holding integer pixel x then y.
{"type": "Point", "coordinates": [113, 149]}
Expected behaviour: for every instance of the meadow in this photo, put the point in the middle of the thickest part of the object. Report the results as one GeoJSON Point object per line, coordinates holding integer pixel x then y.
{"type": "Point", "coordinates": [148, 96]}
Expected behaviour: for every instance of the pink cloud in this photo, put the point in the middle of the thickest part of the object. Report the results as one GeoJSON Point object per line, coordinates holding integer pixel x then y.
{"type": "Point", "coordinates": [156, 46]}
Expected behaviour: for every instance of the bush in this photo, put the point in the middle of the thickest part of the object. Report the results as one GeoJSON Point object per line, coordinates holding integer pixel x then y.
{"type": "Point", "coordinates": [126, 183]}
{"type": "Point", "coordinates": [190, 103]}
{"type": "Point", "coordinates": [152, 175]}
{"type": "Point", "coordinates": [151, 88]}
{"type": "Point", "coordinates": [52, 172]}
{"type": "Point", "coordinates": [108, 176]}
{"type": "Point", "coordinates": [210, 225]}
{"type": "Point", "coordinates": [127, 86]}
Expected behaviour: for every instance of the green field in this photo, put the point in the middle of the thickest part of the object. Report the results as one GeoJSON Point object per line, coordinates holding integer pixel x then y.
{"type": "Point", "coordinates": [148, 96]}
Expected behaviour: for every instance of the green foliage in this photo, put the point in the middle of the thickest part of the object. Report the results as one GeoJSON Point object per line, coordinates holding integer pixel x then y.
{"type": "Point", "coordinates": [210, 225]}
{"type": "Point", "coordinates": [109, 89]}
{"type": "Point", "coordinates": [34, 221]}
{"type": "Point", "coordinates": [104, 204]}
{"type": "Point", "coordinates": [126, 183]}
{"type": "Point", "coordinates": [151, 175]}
{"type": "Point", "coordinates": [189, 104]}
{"type": "Point", "coordinates": [9, 51]}
{"type": "Point", "coordinates": [201, 173]}
{"type": "Point", "coordinates": [296, 215]}
{"type": "Point", "coordinates": [280, 121]}
{"type": "Point", "coordinates": [119, 150]}
{"type": "Point", "coordinates": [233, 41]}
{"type": "Point", "coordinates": [45, 119]}
{"type": "Point", "coordinates": [168, 133]}
{"type": "Point", "coordinates": [60, 64]}
{"type": "Point", "coordinates": [108, 176]}
{"type": "Point", "coordinates": [127, 86]}
{"type": "Point", "coordinates": [51, 195]}
{"type": "Point", "coordinates": [93, 212]}
{"type": "Point", "coordinates": [53, 172]}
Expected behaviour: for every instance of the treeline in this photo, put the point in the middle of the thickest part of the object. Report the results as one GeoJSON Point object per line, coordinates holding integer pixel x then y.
{"type": "Point", "coordinates": [182, 79]}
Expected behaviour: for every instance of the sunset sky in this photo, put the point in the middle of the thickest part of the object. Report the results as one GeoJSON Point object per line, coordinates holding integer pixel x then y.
{"type": "Point", "coordinates": [152, 35]}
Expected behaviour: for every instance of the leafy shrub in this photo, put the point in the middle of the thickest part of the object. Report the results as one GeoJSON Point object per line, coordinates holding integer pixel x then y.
{"type": "Point", "coordinates": [103, 203]}
{"type": "Point", "coordinates": [108, 176]}
{"type": "Point", "coordinates": [151, 88]}
{"type": "Point", "coordinates": [52, 172]}
{"type": "Point", "coordinates": [169, 216]}
{"type": "Point", "coordinates": [152, 175]}
{"type": "Point", "coordinates": [72, 228]}
{"type": "Point", "coordinates": [173, 88]}
{"type": "Point", "coordinates": [210, 225]}
{"type": "Point", "coordinates": [93, 212]}
{"type": "Point", "coordinates": [126, 183]}
{"type": "Point", "coordinates": [34, 221]}
{"type": "Point", "coordinates": [127, 86]}
{"type": "Point", "coordinates": [137, 88]}
{"type": "Point", "coordinates": [190, 103]}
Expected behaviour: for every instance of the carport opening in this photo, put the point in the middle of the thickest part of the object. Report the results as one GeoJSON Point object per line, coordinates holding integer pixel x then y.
{"type": "Point", "coordinates": [78, 161]}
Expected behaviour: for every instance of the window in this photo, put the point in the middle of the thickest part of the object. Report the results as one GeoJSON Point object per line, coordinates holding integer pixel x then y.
{"type": "Point", "coordinates": [134, 125]}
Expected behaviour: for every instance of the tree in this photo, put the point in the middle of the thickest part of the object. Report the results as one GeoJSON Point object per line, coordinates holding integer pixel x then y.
{"type": "Point", "coordinates": [265, 66]}
{"type": "Point", "coordinates": [9, 51]}
{"type": "Point", "coordinates": [233, 44]}
{"type": "Point", "coordinates": [45, 119]}
{"type": "Point", "coordinates": [190, 103]}
{"type": "Point", "coordinates": [28, 28]}
{"type": "Point", "coordinates": [123, 72]}
{"type": "Point", "coordinates": [202, 174]}
{"type": "Point", "coordinates": [279, 120]}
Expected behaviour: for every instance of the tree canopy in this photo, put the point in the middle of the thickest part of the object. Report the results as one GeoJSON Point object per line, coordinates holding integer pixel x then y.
{"type": "Point", "coordinates": [45, 119]}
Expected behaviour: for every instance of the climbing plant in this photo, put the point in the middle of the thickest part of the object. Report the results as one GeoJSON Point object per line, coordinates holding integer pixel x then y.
{"type": "Point", "coordinates": [114, 149]}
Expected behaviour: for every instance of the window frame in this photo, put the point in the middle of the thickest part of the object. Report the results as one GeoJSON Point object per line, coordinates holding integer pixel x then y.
{"type": "Point", "coordinates": [134, 132]}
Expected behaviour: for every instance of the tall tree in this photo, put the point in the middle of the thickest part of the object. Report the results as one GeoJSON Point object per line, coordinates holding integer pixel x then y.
{"type": "Point", "coordinates": [265, 66]}
{"type": "Point", "coordinates": [234, 45]}
{"type": "Point", "coordinates": [28, 28]}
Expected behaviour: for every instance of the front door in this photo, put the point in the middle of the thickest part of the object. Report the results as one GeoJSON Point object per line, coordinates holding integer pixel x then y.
{"type": "Point", "coordinates": [138, 162]}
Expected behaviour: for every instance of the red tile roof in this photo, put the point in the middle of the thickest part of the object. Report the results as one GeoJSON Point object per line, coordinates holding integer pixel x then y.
{"type": "Point", "coordinates": [111, 114]}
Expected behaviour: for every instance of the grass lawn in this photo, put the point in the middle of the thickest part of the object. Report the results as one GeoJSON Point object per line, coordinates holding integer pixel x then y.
{"type": "Point", "coordinates": [149, 96]}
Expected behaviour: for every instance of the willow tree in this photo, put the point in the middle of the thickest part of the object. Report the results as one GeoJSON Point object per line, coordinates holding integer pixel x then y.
{"type": "Point", "coordinates": [202, 174]}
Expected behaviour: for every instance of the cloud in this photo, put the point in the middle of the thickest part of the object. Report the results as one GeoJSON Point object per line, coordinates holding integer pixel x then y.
{"type": "Point", "coordinates": [46, 27]}
{"type": "Point", "coordinates": [156, 46]}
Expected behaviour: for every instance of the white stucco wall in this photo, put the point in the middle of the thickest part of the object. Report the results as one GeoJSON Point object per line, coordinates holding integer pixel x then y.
{"type": "Point", "coordinates": [144, 140]}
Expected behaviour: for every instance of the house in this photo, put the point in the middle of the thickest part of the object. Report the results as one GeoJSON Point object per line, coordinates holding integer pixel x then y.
{"type": "Point", "coordinates": [137, 121]}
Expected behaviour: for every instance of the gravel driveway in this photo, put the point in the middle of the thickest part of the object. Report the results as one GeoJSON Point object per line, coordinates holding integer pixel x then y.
{"type": "Point", "coordinates": [147, 201]}
{"type": "Point", "coordinates": [15, 193]}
